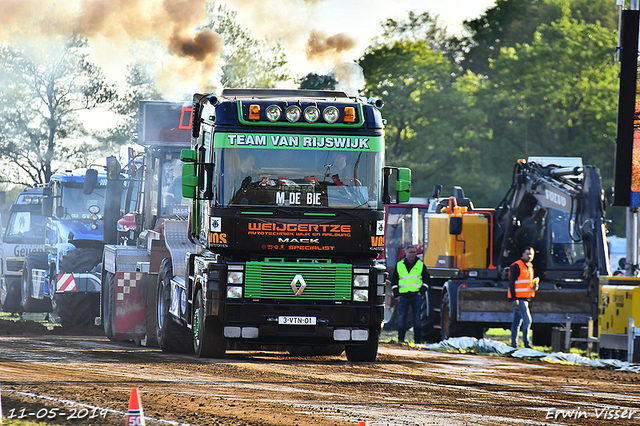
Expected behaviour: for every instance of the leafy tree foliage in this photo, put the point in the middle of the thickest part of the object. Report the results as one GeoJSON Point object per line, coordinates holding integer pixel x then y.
{"type": "Point", "coordinates": [248, 62]}
{"type": "Point", "coordinates": [139, 86]}
{"type": "Point", "coordinates": [318, 82]}
{"type": "Point", "coordinates": [426, 104]}
{"type": "Point", "coordinates": [43, 88]}
{"type": "Point", "coordinates": [511, 22]}
{"type": "Point", "coordinates": [549, 89]}
{"type": "Point", "coordinates": [555, 96]}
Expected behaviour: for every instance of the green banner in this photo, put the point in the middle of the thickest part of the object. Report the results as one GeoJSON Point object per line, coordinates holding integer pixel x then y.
{"type": "Point", "coordinates": [292, 141]}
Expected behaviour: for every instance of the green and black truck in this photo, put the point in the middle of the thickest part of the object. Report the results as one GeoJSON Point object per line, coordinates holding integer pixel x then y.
{"type": "Point", "coordinates": [287, 191]}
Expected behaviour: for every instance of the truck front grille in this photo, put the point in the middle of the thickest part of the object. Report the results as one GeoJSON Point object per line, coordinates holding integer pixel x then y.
{"type": "Point", "coordinates": [273, 280]}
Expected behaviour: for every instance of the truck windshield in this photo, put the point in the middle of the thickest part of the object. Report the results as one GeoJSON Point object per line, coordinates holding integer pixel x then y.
{"type": "Point", "coordinates": [76, 203]}
{"type": "Point", "coordinates": [25, 227]}
{"type": "Point", "coordinates": [303, 178]}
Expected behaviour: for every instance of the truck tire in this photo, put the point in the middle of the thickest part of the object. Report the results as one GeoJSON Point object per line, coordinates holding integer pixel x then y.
{"type": "Point", "coordinates": [172, 337]}
{"type": "Point", "coordinates": [367, 352]}
{"type": "Point", "coordinates": [208, 341]}
{"type": "Point", "coordinates": [33, 260]}
{"type": "Point", "coordinates": [107, 305]}
{"type": "Point", "coordinates": [77, 310]}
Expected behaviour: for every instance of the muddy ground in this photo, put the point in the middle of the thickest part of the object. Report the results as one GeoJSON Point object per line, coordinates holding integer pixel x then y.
{"type": "Point", "coordinates": [71, 378]}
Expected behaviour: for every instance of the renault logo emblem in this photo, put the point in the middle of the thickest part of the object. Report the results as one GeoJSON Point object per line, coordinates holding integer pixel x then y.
{"type": "Point", "coordinates": [294, 285]}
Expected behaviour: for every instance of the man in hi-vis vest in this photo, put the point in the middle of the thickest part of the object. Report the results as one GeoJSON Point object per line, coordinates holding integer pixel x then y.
{"type": "Point", "coordinates": [522, 287]}
{"type": "Point", "coordinates": [409, 285]}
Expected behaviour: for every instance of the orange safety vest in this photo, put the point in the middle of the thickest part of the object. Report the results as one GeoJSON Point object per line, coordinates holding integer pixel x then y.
{"type": "Point", "coordinates": [524, 282]}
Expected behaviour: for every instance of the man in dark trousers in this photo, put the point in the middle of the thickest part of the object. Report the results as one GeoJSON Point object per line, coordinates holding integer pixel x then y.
{"type": "Point", "coordinates": [409, 285]}
{"type": "Point", "coordinates": [522, 287]}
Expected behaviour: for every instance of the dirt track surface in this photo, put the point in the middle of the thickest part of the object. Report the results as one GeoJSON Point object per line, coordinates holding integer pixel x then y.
{"type": "Point", "coordinates": [89, 376]}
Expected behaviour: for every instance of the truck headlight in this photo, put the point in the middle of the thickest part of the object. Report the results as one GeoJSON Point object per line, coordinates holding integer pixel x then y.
{"type": "Point", "coordinates": [361, 295]}
{"type": "Point", "coordinates": [235, 277]}
{"type": "Point", "coordinates": [234, 292]}
{"type": "Point", "coordinates": [361, 280]}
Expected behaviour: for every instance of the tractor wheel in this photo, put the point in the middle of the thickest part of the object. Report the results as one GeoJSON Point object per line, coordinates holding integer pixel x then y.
{"type": "Point", "coordinates": [12, 294]}
{"type": "Point", "coordinates": [151, 316]}
{"type": "Point", "coordinates": [80, 260]}
{"type": "Point", "coordinates": [34, 260]}
{"type": "Point", "coordinates": [108, 298]}
{"type": "Point", "coordinates": [77, 310]}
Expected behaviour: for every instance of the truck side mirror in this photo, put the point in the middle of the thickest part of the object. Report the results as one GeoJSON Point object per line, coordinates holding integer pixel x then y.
{"type": "Point", "coordinates": [189, 176]}
{"type": "Point", "coordinates": [403, 184]}
{"type": "Point", "coordinates": [455, 225]}
{"type": "Point", "coordinates": [90, 181]}
{"type": "Point", "coordinates": [396, 185]}
{"type": "Point", "coordinates": [189, 181]}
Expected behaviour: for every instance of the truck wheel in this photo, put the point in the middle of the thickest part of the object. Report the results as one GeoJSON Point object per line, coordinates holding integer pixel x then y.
{"type": "Point", "coordinates": [367, 352]}
{"type": "Point", "coordinates": [76, 309]}
{"type": "Point", "coordinates": [33, 260]}
{"type": "Point", "coordinates": [171, 336]}
{"type": "Point", "coordinates": [107, 305]}
{"type": "Point", "coordinates": [208, 341]}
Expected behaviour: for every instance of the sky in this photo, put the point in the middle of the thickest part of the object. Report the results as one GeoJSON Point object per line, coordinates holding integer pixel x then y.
{"type": "Point", "coordinates": [357, 20]}
{"type": "Point", "coordinates": [318, 35]}
{"type": "Point", "coordinates": [161, 32]}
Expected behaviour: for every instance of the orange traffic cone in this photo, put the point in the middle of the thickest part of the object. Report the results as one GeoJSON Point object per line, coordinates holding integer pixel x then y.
{"type": "Point", "coordinates": [135, 416]}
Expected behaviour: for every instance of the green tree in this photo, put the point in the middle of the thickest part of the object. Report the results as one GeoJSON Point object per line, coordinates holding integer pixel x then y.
{"type": "Point", "coordinates": [248, 62]}
{"type": "Point", "coordinates": [43, 88]}
{"type": "Point", "coordinates": [428, 111]}
{"type": "Point", "coordinates": [317, 81]}
{"type": "Point", "coordinates": [139, 86]}
{"type": "Point", "coordinates": [511, 22]}
{"type": "Point", "coordinates": [556, 96]}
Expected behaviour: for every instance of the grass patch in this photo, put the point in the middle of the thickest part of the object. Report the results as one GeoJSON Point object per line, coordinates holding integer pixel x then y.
{"type": "Point", "coordinates": [46, 319]}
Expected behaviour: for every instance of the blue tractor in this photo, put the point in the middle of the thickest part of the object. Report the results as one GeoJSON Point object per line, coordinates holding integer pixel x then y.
{"type": "Point", "coordinates": [24, 234]}
{"type": "Point", "coordinates": [65, 278]}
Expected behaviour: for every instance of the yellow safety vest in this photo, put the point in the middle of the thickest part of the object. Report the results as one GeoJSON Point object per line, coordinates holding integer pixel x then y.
{"type": "Point", "coordinates": [409, 281]}
{"type": "Point", "coordinates": [524, 282]}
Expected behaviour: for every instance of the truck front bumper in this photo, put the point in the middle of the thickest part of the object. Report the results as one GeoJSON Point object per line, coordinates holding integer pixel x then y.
{"type": "Point", "coordinates": [286, 324]}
